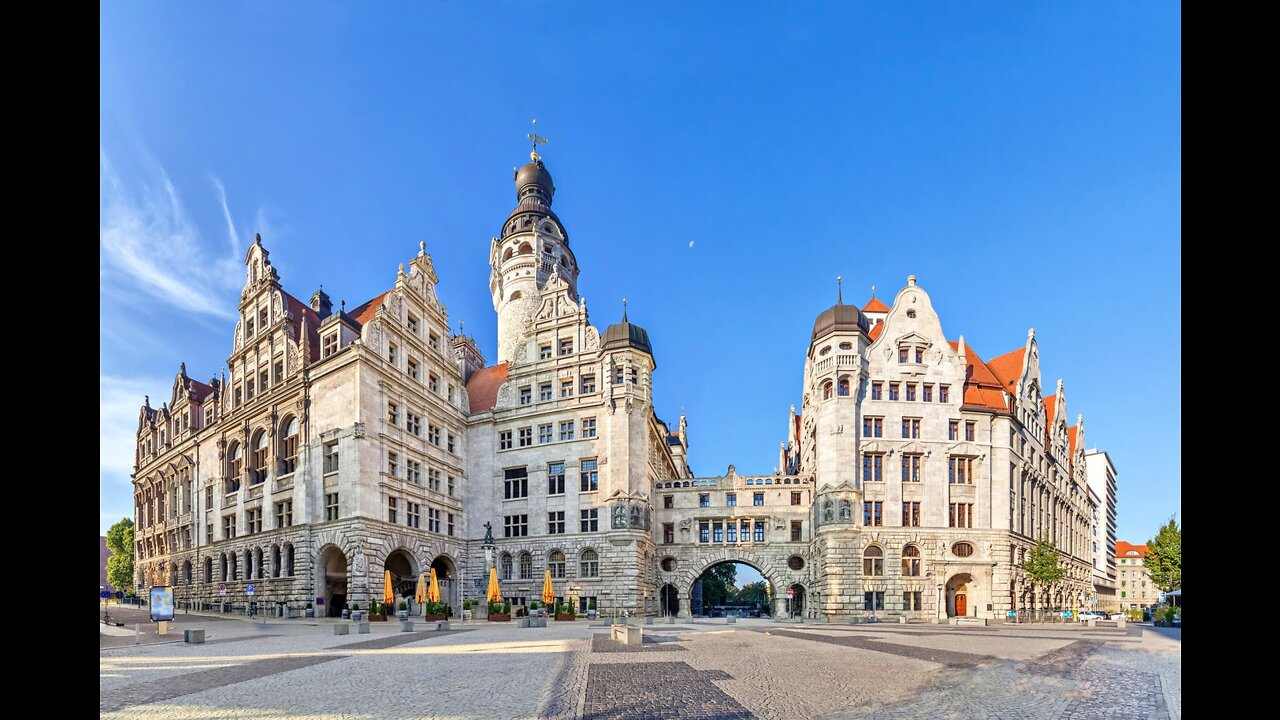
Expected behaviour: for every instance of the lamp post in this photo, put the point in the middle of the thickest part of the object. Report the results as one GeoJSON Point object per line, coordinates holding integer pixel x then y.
{"type": "Point", "coordinates": [488, 548]}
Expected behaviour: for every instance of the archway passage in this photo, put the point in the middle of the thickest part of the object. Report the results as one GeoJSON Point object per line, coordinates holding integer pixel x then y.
{"type": "Point", "coordinates": [669, 600]}
{"type": "Point", "coordinates": [447, 577]}
{"type": "Point", "coordinates": [959, 602]}
{"type": "Point", "coordinates": [333, 564]}
{"type": "Point", "coordinates": [795, 599]}
{"type": "Point", "coordinates": [729, 589]}
{"type": "Point", "coordinates": [404, 579]}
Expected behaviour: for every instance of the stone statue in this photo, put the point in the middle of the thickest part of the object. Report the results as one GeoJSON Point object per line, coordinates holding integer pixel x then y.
{"type": "Point", "coordinates": [488, 533]}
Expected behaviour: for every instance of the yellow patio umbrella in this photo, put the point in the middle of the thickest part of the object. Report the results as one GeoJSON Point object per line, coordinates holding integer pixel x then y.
{"type": "Point", "coordinates": [433, 593]}
{"type": "Point", "coordinates": [388, 592]}
{"type": "Point", "coordinates": [548, 592]}
{"type": "Point", "coordinates": [420, 592]}
{"type": "Point", "coordinates": [495, 593]}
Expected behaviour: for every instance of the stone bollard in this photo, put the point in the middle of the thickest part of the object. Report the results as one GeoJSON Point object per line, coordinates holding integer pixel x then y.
{"type": "Point", "coordinates": [730, 620]}
{"type": "Point", "coordinates": [406, 626]}
{"type": "Point", "coordinates": [342, 629]}
{"type": "Point", "coordinates": [194, 637]}
{"type": "Point", "coordinates": [522, 622]}
{"type": "Point", "coordinates": [1120, 623]}
{"type": "Point", "coordinates": [442, 625]}
{"type": "Point", "coordinates": [1091, 622]}
{"type": "Point", "coordinates": [902, 619]}
{"type": "Point", "coordinates": [362, 627]}
{"type": "Point", "coordinates": [671, 619]}
{"type": "Point", "coordinates": [627, 634]}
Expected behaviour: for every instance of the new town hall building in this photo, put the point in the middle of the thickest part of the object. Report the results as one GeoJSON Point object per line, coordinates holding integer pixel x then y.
{"type": "Point", "coordinates": [340, 443]}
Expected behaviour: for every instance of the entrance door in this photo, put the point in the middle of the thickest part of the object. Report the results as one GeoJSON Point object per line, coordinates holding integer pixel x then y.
{"type": "Point", "coordinates": [961, 610]}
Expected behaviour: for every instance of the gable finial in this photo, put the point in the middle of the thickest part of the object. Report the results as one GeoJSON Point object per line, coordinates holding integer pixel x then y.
{"type": "Point", "coordinates": [1031, 333]}
{"type": "Point", "coordinates": [624, 309]}
{"type": "Point", "coordinates": [257, 238]}
{"type": "Point", "coordinates": [911, 280]}
{"type": "Point", "coordinates": [839, 290]}
{"type": "Point", "coordinates": [873, 291]}
{"type": "Point", "coordinates": [422, 248]}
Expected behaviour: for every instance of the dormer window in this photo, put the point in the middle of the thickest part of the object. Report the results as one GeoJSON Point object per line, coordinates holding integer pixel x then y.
{"type": "Point", "coordinates": [329, 346]}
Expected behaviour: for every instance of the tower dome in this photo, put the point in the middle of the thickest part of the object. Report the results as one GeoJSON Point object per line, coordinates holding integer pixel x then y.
{"type": "Point", "coordinates": [534, 193]}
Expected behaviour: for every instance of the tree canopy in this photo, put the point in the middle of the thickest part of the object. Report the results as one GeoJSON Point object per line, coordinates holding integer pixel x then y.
{"type": "Point", "coordinates": [1164, 557]}
{"type": "Point", "coordinates": [1042, 564]}
{"type": "Point", "coordinates": [120, 564]}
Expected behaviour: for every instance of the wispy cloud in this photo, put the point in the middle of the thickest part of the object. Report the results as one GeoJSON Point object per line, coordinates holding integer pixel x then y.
{"type": "Point", "coordinates": [117, 434]}
{"type": "Point", "coordinates": [150, 243]}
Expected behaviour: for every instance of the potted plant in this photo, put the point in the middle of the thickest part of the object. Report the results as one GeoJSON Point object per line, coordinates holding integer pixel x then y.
{"type": "Point", "coordinates": [466, 609]}
{"type": "Point", "coordinates": [564, 611]}
{"type": "Point", "coordinates": [499, 612]}
{"type": "Point", "coordinates": [403, 610]}
{"type": "Point", "coordinates": [591, 609]}
{"type": "Point", "coordinates": [435, 611]}
{"type": "Point", "coordinates": [377, 612]}
{"type": "Point", "coordinates": [311, 611]}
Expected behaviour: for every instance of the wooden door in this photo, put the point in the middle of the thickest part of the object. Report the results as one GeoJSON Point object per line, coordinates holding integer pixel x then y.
{"type": "Point", "coordinates": [961, 610]}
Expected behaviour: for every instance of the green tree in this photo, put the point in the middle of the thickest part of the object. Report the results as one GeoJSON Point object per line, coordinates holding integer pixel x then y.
{"type": "Point", "coordinates": [1164, 557]}
{"type": "Point", "coordinates": [751, 594]}
{"type": "Point", "coordinates": [1042, 564]}
{"type": "Point", "coordinates": [718, 585]}
{"type": "Point", "coordinates": [120, 564]}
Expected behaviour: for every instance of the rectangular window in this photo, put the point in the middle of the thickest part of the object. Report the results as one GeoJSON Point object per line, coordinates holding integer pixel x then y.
{"type": "Point", "coordinates": [331, 506]}
{"type": "Point", "coordinates": [927, 393]}
{"type": "Point", "coordinates": [910, 514]}
{"type": "Point", "coordinates": [873, 600]}
{"type": "Point", "coordinates": [953, 429]}
{"type": "Point", "coordinates": [566, 388]}
{"type": "Point", "coordinates": [970, 428]}
{"type": "Point", "coordinates": [208, 499]}
{"type": "Point", "coordinates": [515, 483]}
{"type": "Point", "coordinates": [873, 467]}
{"type": "Point", "coordinates": [960, 515]}
{"type": "Point", "coordinates": [877, 391]}
{"type": "Point", "coordinates": [228, 527]}
{"type": "Point", "coordinates": [757, 499]}
{"type": "Point", "coordinates": [451, 443]}
{"type": "Point", "coordinates": [544, 434]}
{"type": "Point", "coordinates": [911, 467]}
{"type": "Point", "coordinates": [544, 352]}
{"type": "Point", "coordinates": [744, 533]}
{"type": "Point", "coordinates": [731, 532]}
{"type": "Point", "coordinates": [544, 391]}
{"type": "Point", "coordinates": [589, 520]}
{"type": "Point", "coordinates": [413, 324]}
{"type": "Point", "coordinates": [873, 427]}
{"type": "Point", "coordinates": [717, 532]}
{"type": "Point", "coordinates": [919, 355]}
{"type": "Point", "coordinates": [588, 384]}
{"type": "Point", "coordinates": [759, 531]}
{"type": "Point", "coordinates": [618, 375]}
{"type": "Point", "coordinates": [903, 354]}
{"type": "Point", "coordinates": [329, 456]}
{"type": "Point", "coordinates": [391, 353]}
{"type": "Point", "coordinates": [795, 497]}
{"type": "Point", "coordinates": [413, 423]}
{"type": "Point", "coordinates": [504, 440]}
{"type": "Point", "coordinates": [433, 435]}
{"type": "Point", "coordinates": [959, 470]}
{"type": "Point", "coordinates": [450, 486]}
{"type": "Point", "coordinates": [449, 528]}
{"type": "Point", "coordinates": [515, 526]}
{"type": "Point", "coordinates": [911, 427]}
{"type": "Point", "coordinates": [433, 520]}
{"type": "Point", "coordinates": [872, 513]}
{"type": "Point", "coordinates": [248, 389]}
{"type": "Point", "coordinates": [284, 514]}
{"type": "Point", "coordinates": [253, 521]}
{"type": "Point", "coordinates": [944, 393]}
{"type": "Point", "coordinates": [262, 381]}
{"type": "Point", "coordinates": [590, 475]}
{"type": "Point", "coordinates": [668, 533]}
{"type": "Point", "coordinates": [588, 427]}
{"type": "Point", "coordinates": [434, 341]}
{"type": "Point", "coordinates": [796, 530]}
{"type": "Point", "coordinates": [413, 515]}
{"type": "Point", "coordinates": [525, 437]}
{"type": "Point", "coordinates": [555, 522]}
{"type": "Point", "coordinates": [704, 532]}
{"type": "Point", "coordinates": [566, 429]}
{"type": "Point", "coordinates": [893, 391]}
{"type": "Point", "coordinates": [526, 395]}
{"type": "Point", "coordinates": [731, 499]}
{"type": "Point", "coordinates": [393, 464]}
{"type": "Point", "coordinates": [412, 368]}
{"type": "Point", "coordinates": [393, 413]}
{"type": "Point", "coordinates": [911, 600]}
{"type": "Point", "coordinates": [393, 511]}
{"type": "Point", "coordinates": [566, 346]}
{"type": "Point", "coordinates": [555, 479]}
{"type": "Point", "coordinates": [433, 383]}
{"type": "Point", "coordinates": [704, 500]}
{"type": "Point", "coordinates": [433, 479]}
{"type": "Point", "coordinates": [248, 327]}
{"type": "Point", "coordinates": [668, 501]}
{"type": "Point", "coordinates": [911, 392]}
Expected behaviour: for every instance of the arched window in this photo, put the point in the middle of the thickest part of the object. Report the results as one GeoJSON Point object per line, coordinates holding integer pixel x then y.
{"type": "Point", "coordinates": [235, 464]}
{"type": "Point", "coordinates": [911, 561]}
{"type": "Point", "coordinates": [516, 295]}
{"type": "Point", "coordinates": [526, 566]}
{"type": "Point", "coordinates": [507, 255]}
{"type": "Point", "coordinates": [826, 390]}
{"type": "Point", "coordinates": [186, 572]}
{"type": "Point", "coordinates": [873, 562]}
{"type": "Point", "coordinates": [962, 549]}
{"type": "Point", "coordinates": [846, 346]}
{"type": "Point", "coordinates": [208, 570]}
{"type": "Point", "coordinates": [275, 561]}
{"type": "Point", "coordinates": [504, 566]}
{"type": "Point", "coordinates": [289, 447]}
{"type": "Point", "coordinates": [248, 564]}
{"type": "Point", "coordinates": [231, 574]}
{"type": "Point", "coordinates": [288, 560]}
{"type": "Point", "coordinates": [525, 249]}
{"type": "Point", "coordinates": [589, 564]}
{"type": "Point", "coordinates": [555, 563]}
{"type": "Point", "coordinates": [825, 351]}
{"type": "Point", "coordinates": [258, 470]}
{"type": "Point", "coordinates": [844, 387]}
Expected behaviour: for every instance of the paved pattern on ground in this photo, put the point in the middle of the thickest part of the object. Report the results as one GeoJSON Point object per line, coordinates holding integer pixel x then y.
{"type": "Point", "coordinates": [950, 658]}
{"type": "Point", "coordinates": [602, 643]}
{"type": "Point", "coordinates": [658, 690]}
{"type": "Point", "coordinates": [160, 690]}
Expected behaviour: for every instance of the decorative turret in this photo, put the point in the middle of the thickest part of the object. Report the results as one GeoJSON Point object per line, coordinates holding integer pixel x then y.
{"type": "Point", "coordinates": [321, 303]}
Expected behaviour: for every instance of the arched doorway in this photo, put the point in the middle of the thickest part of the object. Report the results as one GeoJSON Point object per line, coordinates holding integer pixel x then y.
{"type": "Point", "coordinates": [447, 577]}
{"type": "Point", "coordinates": [333, 580]}
{"type": "Point", "coordinates": [669, 600]}
{"type": "Point", "coordinates": [728, 588]}
{"type": "Point", "coordinates": [960, 600]}
{"type": "Point", "coordinates": [797, 600]}
{"type": "Point", "coordinates": [404, 574]}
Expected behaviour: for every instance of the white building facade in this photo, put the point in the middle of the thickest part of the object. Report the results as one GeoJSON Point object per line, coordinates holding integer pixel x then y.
{"type": "Point", "coordinates": [339, 446]}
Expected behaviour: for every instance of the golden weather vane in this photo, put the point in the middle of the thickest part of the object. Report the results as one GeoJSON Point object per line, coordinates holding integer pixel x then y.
{"type": "Point", "coordinates": [537, 140]}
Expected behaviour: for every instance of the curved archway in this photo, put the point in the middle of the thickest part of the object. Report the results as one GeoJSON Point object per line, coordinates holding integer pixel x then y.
{"type": "Point", "coordinates": [331, 585]}
{"type": "Point", "coordinates": [796, 600]}
{"type": "Point", "coordinates": [446, 575]}
{"type": "Point", "coordinates": [668, 600]}
{"type": "Point", "coordinates": [691, 600]}
{"type": "Point", "coordinates": [960, 602]}
{"type": "Point", "coordinates": [404, 572]}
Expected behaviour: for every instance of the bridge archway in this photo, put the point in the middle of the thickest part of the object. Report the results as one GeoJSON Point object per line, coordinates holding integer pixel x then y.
{"type": "Point", "coordinates": [775, 579]}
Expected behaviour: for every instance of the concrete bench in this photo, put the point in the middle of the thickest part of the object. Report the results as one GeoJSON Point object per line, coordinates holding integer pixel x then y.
{"type": "Point", "coordinates": [627, 634]}
{"type": "Point", "coordinates": [342, 629]}
{"type": "Point", "coordinates": [671, 619]}
{"type": "Point", "coordinates": [362, 627]}
{"type": "Point", "coordinates": [194, 637]}
{"type": "Point", "coordinates": [406, 626]}
{"type": "Point", "coordinates": [730, 620]}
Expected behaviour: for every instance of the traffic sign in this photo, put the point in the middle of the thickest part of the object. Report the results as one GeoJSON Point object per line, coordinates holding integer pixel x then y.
{"type": "Point", "coordinates": [222, 588]}
{"type": "Point", "coordinates": [1162, 596]}
{"type": "Point", "coordinates": [1093, 601]}
{"type": "Point", "coordinates": [249, 588]}
{"type": "Point", "coordinates": [106, 594]}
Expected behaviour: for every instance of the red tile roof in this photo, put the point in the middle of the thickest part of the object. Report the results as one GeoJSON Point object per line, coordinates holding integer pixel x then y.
{"type": "Point", "coordinates": [981, 389]}
{"type": "Point", "coordinates": [1008, 368]}
{"type": "Point", "coordinates": [1123, 548]}
{"type": "Point", "coordinates": [874, 333]}
{"type": "Point", "coordinates": [1050, 405]}
{"type": "Point", "coordinates": [482, 388]}
{"type": "Point", "coordinates": [200, 390]}
{"type": "Point", "coordinates": [299, 310]}
{"type": "Point", "coordinates": [1071, 441]}
{"type": "Point", "coordinates": [364, 313]}
{"type": "Point", "coordinates": [875, 305]}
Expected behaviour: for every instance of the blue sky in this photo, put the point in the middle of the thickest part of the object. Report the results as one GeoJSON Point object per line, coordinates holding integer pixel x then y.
{"type": "Point", "coordinates": [1023, 160]}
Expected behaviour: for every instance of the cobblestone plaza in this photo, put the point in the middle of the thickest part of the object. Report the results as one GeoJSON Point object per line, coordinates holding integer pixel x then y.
{"type": "Point", "coordinates": [698, 669]}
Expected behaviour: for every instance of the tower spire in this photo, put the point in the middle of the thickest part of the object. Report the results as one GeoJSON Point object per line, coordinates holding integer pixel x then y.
{"type": "Point", "coordinates": [537, 140]}
{"type": "Point", "coordinates": [624, 309]}
{"type": "Point", "coordinates": [839, 290]}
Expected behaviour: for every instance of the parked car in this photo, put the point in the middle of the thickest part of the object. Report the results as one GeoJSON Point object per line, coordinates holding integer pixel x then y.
{"type": "Point", "coordinates": [1092, 615]}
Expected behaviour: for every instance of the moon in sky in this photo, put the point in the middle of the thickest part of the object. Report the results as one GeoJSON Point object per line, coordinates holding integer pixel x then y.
{"type": "Point", "coordinates": [690, 243]}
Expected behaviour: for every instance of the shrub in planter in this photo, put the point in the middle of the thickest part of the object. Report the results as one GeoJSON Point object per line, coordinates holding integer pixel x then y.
{"type": "Point", "coordinates": [466, 604]}
{"type": "Point", "coordinates": [591, 604]}
{"type": "Point", "coordinates": [403, 605]}
{"type": "Point", "coordinates": [564, 611]}
{"type": "Point", "coordinates": [435, 611]}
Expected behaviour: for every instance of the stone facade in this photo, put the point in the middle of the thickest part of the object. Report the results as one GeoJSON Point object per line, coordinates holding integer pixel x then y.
{"type": "Point", "coordinates": [1136, 588]}
{"type": "Point", "coordinates": [338, 446]}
